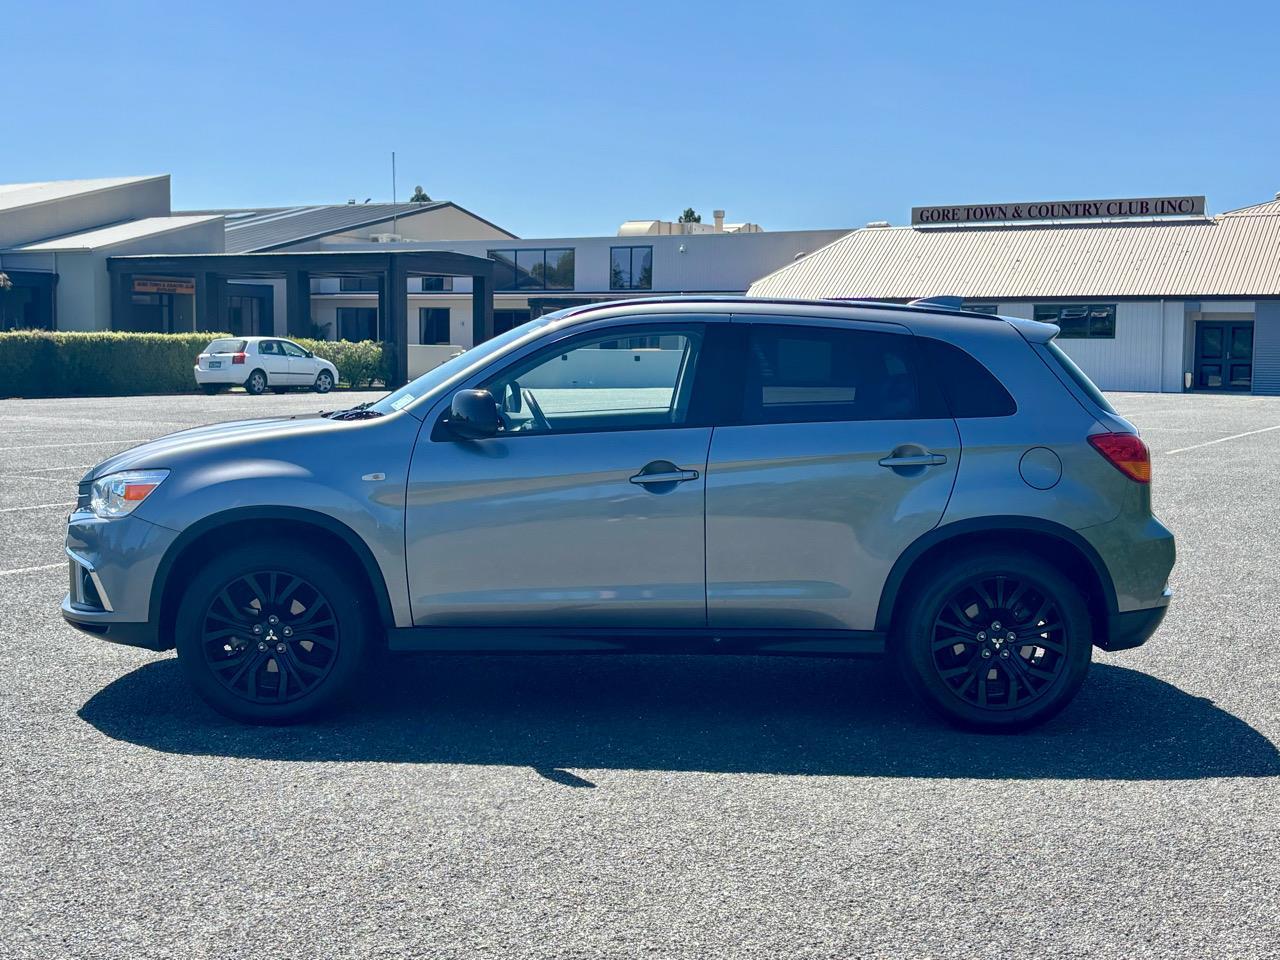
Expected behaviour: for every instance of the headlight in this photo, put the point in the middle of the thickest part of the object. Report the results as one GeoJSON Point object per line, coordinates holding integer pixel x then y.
{"type": "Point", "coordinates": [116, 494]}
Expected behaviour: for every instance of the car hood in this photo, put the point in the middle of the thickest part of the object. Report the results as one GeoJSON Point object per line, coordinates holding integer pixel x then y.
{"type": "Point", "coordinates": [162, 452]}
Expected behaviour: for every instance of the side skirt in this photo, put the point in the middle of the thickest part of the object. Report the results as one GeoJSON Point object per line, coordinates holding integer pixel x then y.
{"type": "Point", "coordinates": [831, 643]}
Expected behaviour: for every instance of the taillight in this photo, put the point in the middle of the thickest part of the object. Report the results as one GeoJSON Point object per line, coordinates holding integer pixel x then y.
{"type": "Point", "coordinates": [237, 358]}
{"type": "Point", "coordinates": [1126, 452]}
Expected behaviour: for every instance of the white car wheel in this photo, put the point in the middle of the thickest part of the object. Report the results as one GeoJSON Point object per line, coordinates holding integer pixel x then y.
{"type": "Point", "coordinates": [324, 382]}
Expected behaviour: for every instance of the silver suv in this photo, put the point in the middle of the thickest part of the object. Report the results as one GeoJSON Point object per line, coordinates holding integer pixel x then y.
{"type": "Point", "coordinates": [663, 476]}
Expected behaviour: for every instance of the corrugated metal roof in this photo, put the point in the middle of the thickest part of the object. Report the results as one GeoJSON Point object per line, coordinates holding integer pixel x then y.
{"type": "Point", "coordinates": [258, 230]}
{"type": "Point", "coordinates": [1236, 255]}
{"type": "Point", "coordinates": [14, 195]}
{"type": "Point", "coordinates": [1269, 209]}
{"type": "Point", "coordinates": [102, 237]}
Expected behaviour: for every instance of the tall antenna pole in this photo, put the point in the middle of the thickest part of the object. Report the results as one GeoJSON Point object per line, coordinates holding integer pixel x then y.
{"type": "Point", "coordinates": [393, 191]}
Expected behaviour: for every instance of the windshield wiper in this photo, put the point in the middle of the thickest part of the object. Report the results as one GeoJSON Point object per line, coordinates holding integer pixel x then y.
{"type": "Point", "coordinates": [360, 411]}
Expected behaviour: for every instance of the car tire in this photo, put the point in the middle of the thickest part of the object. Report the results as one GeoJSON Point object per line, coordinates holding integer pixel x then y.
{"type": "Point", "coordinates": [272, 634]}
{"type": "Point", "coordinates": [208, 389]}
{"type": "Point", "coordinates": [324, 382]}
{"type": "Point", "coordinates": [995, 640]}
{"type": "Point", "coordinates": [256, 383]}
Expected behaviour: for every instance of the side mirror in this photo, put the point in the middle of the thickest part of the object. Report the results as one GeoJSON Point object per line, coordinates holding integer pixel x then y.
{"type": "Point", "coordinates": [473, 415]}
{"type": "Point", "coordinates": [310, 355]}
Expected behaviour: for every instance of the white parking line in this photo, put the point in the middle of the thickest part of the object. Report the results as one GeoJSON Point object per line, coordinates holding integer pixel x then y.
{"type": "Point", "coordinates": [47, 566]}
{"type": "Point", "coordinates": [1234, 436]}
{"type": "Point", "coordinates": [36, 506]}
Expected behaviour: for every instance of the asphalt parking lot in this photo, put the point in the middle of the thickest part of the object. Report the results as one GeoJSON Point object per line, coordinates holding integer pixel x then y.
{"type": "Point", "coordinates": [596, 807]}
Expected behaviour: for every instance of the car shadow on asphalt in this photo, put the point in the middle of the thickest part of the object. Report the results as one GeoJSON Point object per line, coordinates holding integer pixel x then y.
{"type": "Point", "coordinates": [718, 715]}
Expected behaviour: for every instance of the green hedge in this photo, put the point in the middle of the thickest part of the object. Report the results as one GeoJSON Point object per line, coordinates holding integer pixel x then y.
{"type": "Point", "coordinates": [39, 363]}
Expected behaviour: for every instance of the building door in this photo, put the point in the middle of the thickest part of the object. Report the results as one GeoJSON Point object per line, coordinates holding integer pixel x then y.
{"type": "Point", "coordinates": [1224, 355]}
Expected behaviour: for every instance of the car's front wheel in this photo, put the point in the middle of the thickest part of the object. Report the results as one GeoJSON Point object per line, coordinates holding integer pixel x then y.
{"type": "Point", "coordinates": [271, 634]}
{"type": "Point", "coordinates": [324, 382]}
{"type": "Point", "coordinates": [995, 639]}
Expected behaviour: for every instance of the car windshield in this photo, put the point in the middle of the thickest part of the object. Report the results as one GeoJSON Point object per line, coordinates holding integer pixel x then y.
{"type": "Point", "coordinates": [225, 346]}
{"type": "Point", "coordinates": [434, 381]}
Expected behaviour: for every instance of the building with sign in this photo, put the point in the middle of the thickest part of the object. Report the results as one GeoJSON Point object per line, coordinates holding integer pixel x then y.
{"type": "Point", "coordinates": [1180, 301]}
{"type": "Point", "coordinates": [111, 255]}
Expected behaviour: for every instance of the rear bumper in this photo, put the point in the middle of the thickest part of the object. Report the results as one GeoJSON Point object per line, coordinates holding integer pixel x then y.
{"type": "Point", "coordinates": [235, 375]}
{"type": "Point", "coordinates": [1132, 628]}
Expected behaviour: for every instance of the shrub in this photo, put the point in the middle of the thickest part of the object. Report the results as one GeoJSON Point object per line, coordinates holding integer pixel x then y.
{"type": "Point", "coordinates": [41, 363]}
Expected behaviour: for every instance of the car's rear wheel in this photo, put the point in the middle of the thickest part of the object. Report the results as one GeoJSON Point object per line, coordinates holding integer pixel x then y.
{"type": "Point", "coordinates": [324, 382]}
{"type": "Point", "coordinates": [256, 383]}
{"type": "Point", "coordinates": [995, 640]}
{"type": "Point", "coordinates": [271, 634]}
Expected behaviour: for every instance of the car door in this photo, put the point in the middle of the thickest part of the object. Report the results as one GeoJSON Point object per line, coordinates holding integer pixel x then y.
{"type": "Point", "coordinates": [302, 368]}
{"type": "Point", "coordinates": [587, 509]}
{"type": "Point", "coordinates": [842, 458]}
{"type": "Point", "coordinates": [274, 363]}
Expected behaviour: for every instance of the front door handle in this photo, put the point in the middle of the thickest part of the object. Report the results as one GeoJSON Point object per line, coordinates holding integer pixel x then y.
{"type": "Point", "coordinates": [666, 476]}
{"type": "Point", "coordinates": [914, 460]}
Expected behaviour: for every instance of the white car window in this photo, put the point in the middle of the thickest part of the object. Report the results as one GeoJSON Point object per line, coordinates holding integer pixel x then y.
{"type": "Point", "coordinates": [292, 349]}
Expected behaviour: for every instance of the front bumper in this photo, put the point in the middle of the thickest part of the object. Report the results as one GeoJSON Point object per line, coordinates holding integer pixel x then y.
{"type": "Point", "coordinates": [112, 566]}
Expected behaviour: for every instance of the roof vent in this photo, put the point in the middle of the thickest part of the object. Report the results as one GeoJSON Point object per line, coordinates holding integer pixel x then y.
{"type": "Point", "coordinates": [385, 237]}
{"type": "Point", "coordinates": [877, 223]}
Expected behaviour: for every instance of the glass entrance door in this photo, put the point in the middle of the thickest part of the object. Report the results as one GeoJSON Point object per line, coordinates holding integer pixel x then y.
{"type": "Point", "coordinates": [1224, 355]}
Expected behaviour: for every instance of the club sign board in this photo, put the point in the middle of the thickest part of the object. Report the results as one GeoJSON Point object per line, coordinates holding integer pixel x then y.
{"type": "Point", "coordinates": [1057, 210]}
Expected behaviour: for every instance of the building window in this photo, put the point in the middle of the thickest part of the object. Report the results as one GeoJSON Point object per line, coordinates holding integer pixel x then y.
{"type": "Point", "coordinates": [358, 284]}
{"type": "Point", "coordinates": [436, 284]}
{"type": "Point", "coordinates": [539, 269]}
{"type": "Point", "coordinates": [244, 316]}
{"type": "Point", "coordinates": [631, 268]}
{"type": "Point", "coordinates": [433, 325]}
{"type": "Point", "coordinates": [1080, 321]}
{"type": "Point", "coordinates": [504, 320]}
{"type": "Point", "coordinates": [981, 307]}
{"type": "Point", "coordinates": [358, 323]}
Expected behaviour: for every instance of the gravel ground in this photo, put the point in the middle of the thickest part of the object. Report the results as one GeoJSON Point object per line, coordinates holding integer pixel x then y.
{"type": "Point", "coordinates": [549, 807]}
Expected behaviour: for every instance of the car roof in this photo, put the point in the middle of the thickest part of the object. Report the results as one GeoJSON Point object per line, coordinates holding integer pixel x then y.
{"type": "Point", "coordinates": [927, 316]}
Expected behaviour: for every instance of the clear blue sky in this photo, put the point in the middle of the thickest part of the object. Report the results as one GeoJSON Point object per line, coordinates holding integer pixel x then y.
{"type": "Point", "coordinates": [562, 119]}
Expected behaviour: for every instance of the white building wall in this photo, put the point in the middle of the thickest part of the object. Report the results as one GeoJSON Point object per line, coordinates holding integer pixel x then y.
{"type": "Point", "coordinates": [1143, 355]}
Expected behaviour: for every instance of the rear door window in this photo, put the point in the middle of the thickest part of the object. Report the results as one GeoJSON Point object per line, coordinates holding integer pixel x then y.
{"type": "Point", "coordinates": [801, 374]}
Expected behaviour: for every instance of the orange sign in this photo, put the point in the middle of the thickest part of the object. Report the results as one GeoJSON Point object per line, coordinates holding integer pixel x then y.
{"type": "Point", "coordinates": [163, 285]}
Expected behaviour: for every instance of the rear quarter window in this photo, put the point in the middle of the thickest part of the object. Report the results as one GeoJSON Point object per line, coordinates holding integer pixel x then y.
{"type": "Point", "coordinates": [969, 388]}
{"type": "Point", "coordinates": [1080, 378]}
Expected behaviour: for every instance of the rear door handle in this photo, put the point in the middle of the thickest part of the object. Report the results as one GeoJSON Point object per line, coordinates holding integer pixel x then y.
{"type": "Point", "coordinates": [914, 460]}
{"type": "Point", "coordinates": [669, 476]}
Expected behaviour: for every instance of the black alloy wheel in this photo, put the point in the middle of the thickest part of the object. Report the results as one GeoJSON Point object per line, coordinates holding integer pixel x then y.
{"type": "Point", "coordinates": [999, 642]}
{"type": "Point", "coordinates": [273, 633]}
{"type": "Point", "coordinates": [270, 637]}
{"type": "Point", "coordinates": [995, 639]}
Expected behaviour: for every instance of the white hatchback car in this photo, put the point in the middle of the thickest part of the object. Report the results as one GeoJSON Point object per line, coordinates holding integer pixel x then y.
{"type": "Point", "coordinates": [257, 363]}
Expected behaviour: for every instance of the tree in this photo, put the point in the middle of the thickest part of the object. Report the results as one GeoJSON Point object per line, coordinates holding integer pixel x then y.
{"type": "Point", "coordinates": [419, 196]}
{"type": "Point", "coordinates": [689, 216]}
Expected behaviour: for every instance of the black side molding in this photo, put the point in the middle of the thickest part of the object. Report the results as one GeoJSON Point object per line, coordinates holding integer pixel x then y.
{"type": "Point", "coordinates": [691, 640]}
